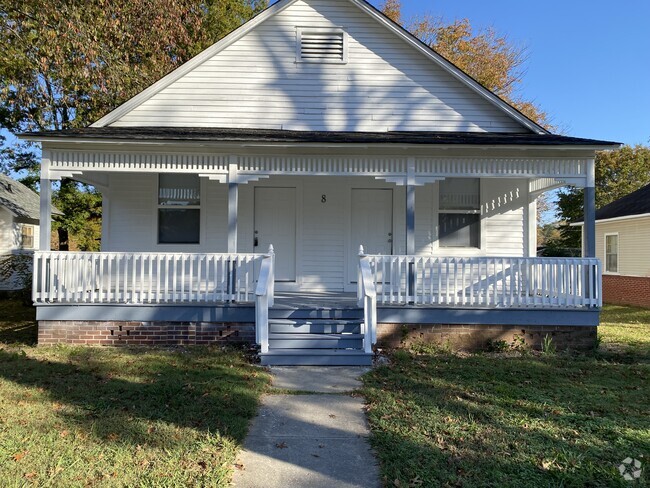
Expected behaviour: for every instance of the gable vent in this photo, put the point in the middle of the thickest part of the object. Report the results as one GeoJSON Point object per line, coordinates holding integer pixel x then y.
{"type": "Point", "coordinates": [326, 45]}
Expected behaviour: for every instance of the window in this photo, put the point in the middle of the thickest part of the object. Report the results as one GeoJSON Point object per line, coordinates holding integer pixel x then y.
{"type": "Point", "coordinates": [321, 45]}
{"type": "Point", "coordinates": [27, 236]}
{"type": "Point", "coordinates": [459, 217]}
{"type": "Point", "coordinates": [179, 209]}
{"type": "Point", "coordinates": [611, 253]}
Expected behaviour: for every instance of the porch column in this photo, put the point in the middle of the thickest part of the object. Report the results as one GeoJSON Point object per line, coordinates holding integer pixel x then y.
{"type": "Point", "coordinates": [410, 207]}
{"type": "Point", "coordinates": [233, 199]}
{"type": "Point", "coordinates": [531, 234]}
{"type": "Point", "coordinates": [589, 227]}
{"type": "Point", "coordinates": [45, 221]}
{"type": "Point", "coordinates": [410, 222]}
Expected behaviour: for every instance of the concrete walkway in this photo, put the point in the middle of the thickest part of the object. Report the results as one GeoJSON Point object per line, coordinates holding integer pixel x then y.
{"type": "Point", "coordinates": [309, 440]}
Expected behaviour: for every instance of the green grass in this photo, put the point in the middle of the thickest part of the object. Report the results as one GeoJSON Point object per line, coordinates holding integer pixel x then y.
{"type": "Point", "coordinates": [79, 416]}
{"type": "Point", "coordinates": [516, 420]}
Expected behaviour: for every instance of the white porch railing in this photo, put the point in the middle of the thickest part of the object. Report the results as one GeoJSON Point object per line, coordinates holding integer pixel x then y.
{"type": "Point", "coordinates": [264, 299]}
{"type": "Point", "coordinates": [504, 282]}
{"type": "Point", "coordinates": [367, 298]}
{"type": "Point", "coordinates": [142, 278]}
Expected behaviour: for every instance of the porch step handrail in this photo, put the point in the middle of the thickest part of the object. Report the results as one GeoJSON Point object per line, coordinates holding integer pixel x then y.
{"type": "Point", "coordinates": [367, 297]}
{"type": "Point", "coordinates": [143, 277]}
{"type": "Point", "coordinates": [487, 281]}
{"type": "Point", "coordinates": [264, 299]}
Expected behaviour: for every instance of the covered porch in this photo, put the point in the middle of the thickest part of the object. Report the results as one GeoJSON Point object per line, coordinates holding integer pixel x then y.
{"type": "Point", "coordinates": [447, 232]}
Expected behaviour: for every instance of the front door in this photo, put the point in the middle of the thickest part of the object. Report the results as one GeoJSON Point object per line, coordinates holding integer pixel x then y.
{"type": "Point", "coordinates": [371, 224]}
{"type": "Point", "coordinates": [275, 223]}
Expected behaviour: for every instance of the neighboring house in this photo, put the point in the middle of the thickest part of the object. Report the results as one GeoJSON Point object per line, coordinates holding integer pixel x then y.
{"type": "Point", "coordinates": [317, 127]}
{"type": "Point", "coordinates": [623, 245]}
{"type": "Point", "coordinates": [19, 232]}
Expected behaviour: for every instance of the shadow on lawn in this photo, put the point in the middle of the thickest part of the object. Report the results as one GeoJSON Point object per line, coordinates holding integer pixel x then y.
{"type": "Point", "coordinates": [199, 389]}
{"type": "Point", "coordinates": [17, 323]}
{"type": "Point", "coordinates": [493, 421]}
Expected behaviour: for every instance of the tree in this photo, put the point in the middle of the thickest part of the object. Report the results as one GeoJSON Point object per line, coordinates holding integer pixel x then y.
{"type": "Point", "coordinates": [65, 64]}
{"type": "Point", "coordinates": [491, 59]}
{"type": "Point", "coordinates": [618, 173]}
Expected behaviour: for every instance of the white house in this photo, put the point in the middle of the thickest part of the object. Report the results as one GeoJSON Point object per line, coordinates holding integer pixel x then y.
{"type": "Point", "coordinates": [317, 127]}
{"type": "Point", "coordinates": [19, 232]}
{"type": "Point", "coordinates": [623, 245]}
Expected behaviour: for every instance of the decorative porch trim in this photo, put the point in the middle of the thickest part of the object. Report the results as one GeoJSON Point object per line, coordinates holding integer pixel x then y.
{"type": "Point", "coordinates": [251, 167]}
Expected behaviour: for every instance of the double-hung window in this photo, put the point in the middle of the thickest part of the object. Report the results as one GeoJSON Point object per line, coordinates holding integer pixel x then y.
{"type": "Point", "coordinates": [179, 209]}
{"type": "Point", "coordinates": [27, 236]}
{"type": "Point", "coordinates": [611, 253]}
{"type": "Point", "coordinates": [459, 214]}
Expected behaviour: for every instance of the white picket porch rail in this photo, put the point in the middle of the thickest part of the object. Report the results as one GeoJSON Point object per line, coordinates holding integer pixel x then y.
{"type": "Point", "coordinates": [264, 299]}
{"type": "Point", "coordinates": [143, 278]}
{"type": "Point", "coordinates": [367, 298]}
{"type": "Point", "coordinates": [500, 282]}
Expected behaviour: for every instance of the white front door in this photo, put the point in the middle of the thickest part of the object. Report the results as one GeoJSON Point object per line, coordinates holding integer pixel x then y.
{"type": "Point", "coordinates": [275, 223]}
{"type": "Point", "coordinates": [371, 224]}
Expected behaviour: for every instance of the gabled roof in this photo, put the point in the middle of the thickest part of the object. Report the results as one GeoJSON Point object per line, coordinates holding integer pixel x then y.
{"type": "Point", "coordinates": [636, 203]}
{"type": "Point", "coordinates": [21, 201]}
{"type": "Point", "coordinates": [230, 135]}
{"type": "Point", "coordinates": [274, 9]}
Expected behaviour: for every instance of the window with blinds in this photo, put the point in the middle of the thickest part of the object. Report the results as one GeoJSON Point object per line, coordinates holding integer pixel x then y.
{"type": "Point", "coordinates": [459, 217]}
{"type": "Point", "coordinates": [179, 209]}
{"type": "Point", "coordinates": [321, 45]}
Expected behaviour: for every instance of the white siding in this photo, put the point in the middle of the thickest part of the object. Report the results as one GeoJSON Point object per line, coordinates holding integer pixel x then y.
{"type": "Point", "coordinates": [256, 83]}
{"type": "Point", "coordinates": [633, 244]}
{"type": "Point", "coordinates": [323, 229]}
{"type": "Point", "coordinates": [133, 216]}
{"type": "Point", "coordinates": [504, 204]}
{"type": "Point", "coordinates": [11, 243]}
{"type": "Point", "coordinates": [7, 231]}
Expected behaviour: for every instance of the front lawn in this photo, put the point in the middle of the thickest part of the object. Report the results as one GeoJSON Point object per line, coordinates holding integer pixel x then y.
{"type": "Point", "coordinates": [519, 420]}
{"type": "Point", "coordinates": [79, 416]}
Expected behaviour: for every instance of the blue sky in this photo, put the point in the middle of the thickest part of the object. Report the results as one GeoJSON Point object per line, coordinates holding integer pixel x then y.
{"type": "Point", "coordinates": [588, 61]}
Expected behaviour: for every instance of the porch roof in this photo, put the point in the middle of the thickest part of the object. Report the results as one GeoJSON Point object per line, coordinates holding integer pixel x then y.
{"type": "Point", "coordinates": [233, 135]}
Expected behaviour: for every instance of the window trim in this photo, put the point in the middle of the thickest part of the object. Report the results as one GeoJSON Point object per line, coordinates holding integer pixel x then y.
{"type": "Point", "coordinates": [460, 251]}
{"type": "Point", "coordinates": [618, 253]}
{"type": "Point", "coordinates": [199, 207]}
{"type": "Point", "coordinates": [22, 236]}
{"type": "Point", "coordinates": [321, 30]}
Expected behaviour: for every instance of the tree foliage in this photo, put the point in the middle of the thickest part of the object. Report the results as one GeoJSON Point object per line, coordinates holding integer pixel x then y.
{"type": "Point", "coordinates": [66, 64]}
{"type": "Point", "coordinates": [491, 59]}
{"type": "Point", "coordinates": [618, 173]}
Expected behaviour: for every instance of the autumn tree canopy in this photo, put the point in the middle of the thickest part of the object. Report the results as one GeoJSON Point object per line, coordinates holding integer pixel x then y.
{"type": "Point", "coordinates": [491, 59]}
{"type": "Point", "coordinates": [66, 64]}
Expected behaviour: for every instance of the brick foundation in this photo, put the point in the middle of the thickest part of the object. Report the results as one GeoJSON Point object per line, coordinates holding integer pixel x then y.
{"type": "Point", "coordinates": [462, 337]}
{"type": "Point", "coordinates": [103, 333]}
{"type": "Point", "coordinates": [477, 337]}
{"type": "Point", "coordinates": [626, 290]}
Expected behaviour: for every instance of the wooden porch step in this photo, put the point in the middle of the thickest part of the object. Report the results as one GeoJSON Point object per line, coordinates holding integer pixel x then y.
{"type": "Point", "coordinates": [315, 341]}
{"type": "Point", "coordinates": [314, 326]}
{"type": "Point", "coordinates": [315, 357]}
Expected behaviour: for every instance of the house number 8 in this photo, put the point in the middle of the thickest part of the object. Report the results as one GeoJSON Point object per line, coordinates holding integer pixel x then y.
{"type": "Point", "coordinates": [323, 198]}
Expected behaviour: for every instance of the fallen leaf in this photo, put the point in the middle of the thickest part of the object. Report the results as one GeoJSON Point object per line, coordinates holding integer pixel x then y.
{"type": "Point", "coordinates": [332, 416]}
{"type": "Point", "coordinates": [281, 445]}
{"type": "Point", "coordinates": [112, 436]}
{"type": "Point", "coordinates": [31, 475]}
{"type": "Point", "coordinates": [64, 433]}
{"type": "Point", "coordinates": [19, 455]}
{"type": "Point", "coordinates": [239, 466]}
